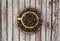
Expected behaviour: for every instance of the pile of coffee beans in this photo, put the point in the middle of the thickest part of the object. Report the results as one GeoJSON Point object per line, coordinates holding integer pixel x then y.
{"type": "Point", "coordinates": [30, 20]}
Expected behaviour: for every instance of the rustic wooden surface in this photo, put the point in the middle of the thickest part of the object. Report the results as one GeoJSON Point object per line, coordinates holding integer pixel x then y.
{"type": "Point", "coordinates": [50, 30]}
{"type": "Point", "coordinates": [0, 23]}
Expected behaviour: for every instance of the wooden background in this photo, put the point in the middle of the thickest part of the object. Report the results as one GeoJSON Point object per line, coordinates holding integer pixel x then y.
{"type": "Point", "coordinates": [50, 30]}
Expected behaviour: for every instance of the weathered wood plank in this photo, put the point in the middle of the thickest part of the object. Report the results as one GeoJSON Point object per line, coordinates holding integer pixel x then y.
{"type": "Point", "coordinates": [3, 7]}
{"type": "Point", "coordinates": [54, 23]}
{"type": "Point", "coordinates": [53, 20]}
{"type": "Point", "coordinates": [0, 22]}
{"type": "Point", "coordinates": [38, 36]}
{"type": "Point", "coordinates": [48, 21]}
{"type": "Point", "coordinates": [27, 3]}
{"type": "Point", "coordinates": [22, 35]}
{"type": "Point", "coordinates": [59, 22]}
{"type": "Point", "coordinates": [10, 31]}
{"type": "Point", "coordinates": [32, 3]}
{"type": "Point", "coordinates": [15, 28]}
{"type": "Point", "coordinates": [44, 19]}
{"type": "Point", "coordinates": [33, 37]}
{"type": "Point", "coordinates": [9, 20]}
{"type": "Point", "coordinates": [21, 5]}
{"type": "Point", "coordinates": [28, 36]}
{"type": "Point", "coordinates": [18, 8]}
{"type": "Point", "coordinates": [39, 7]}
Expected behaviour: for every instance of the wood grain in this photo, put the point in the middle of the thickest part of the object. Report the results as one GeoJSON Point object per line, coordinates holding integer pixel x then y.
{"type": "Point", "coordinates": [14, 16]}
{"type": "Point", "coordinates": [48, 21]}
{"type": "Point", "coordinates": [55, 20]}
{"type": "Point", "coordinates": [44, 19]}
{"type": "Point", "coordinates": [3, 20]}
{"type": "Point", "coordinates": [50, 30]}
{"type": "Point", "coordinates": [22, 35]}
{"type": "Point", "coordinates": [32, 6]}
{"type": "Point", "coordinates": [58, 23]}
{"type": "Point", "coordinates": [9, 20]}
{"type": "Point", "coordinates": [39, 7]}
{"type": "Point", "coordinates": [0, 22]}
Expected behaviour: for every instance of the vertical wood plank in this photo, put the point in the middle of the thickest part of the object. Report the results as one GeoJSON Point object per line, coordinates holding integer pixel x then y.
{"type": "Point", "coordinates": [44, 19]}
{"type": "Point", "coordinates": [59, 22]}
{"type": "Point", "coordinates": [3, 20]}
{"type": "Point", "coordinates": [33, 6]}
{"type": "Point", "coordinates": [21, 5]}
{"type": "Point", "coordinates": [33, 3]}
{"type": "Point", "coordinates": [0, 22]}
{"type": "Point", "coordinates": [9, 20]}
{"type": "Point", "coordinates": [48, 21]}
{"type": "Point", "coordinates": [55, 16]}
{"type": "Point", "coordinates": [39, 7]}
{"type": "Point", "coordinates": [18, 8]}
{"type": "Point", "coordinates": [15, 28]}
{"type": "Point", "coordinates": [53, 20]}
{"type": "Point", "coordinates": [22, 35]}
{"type": "Point", "coordinates": [28, 36]}
{"type": "Point", "coordinates": [45, 34]}
{"type": "Point", "coordinates": [33, 37]}
{"type": "Point", "coordinates": [27, 3]}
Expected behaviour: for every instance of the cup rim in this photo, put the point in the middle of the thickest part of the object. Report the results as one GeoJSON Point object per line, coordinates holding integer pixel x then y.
{"type": "Point", "coordinates": [27, 13]}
